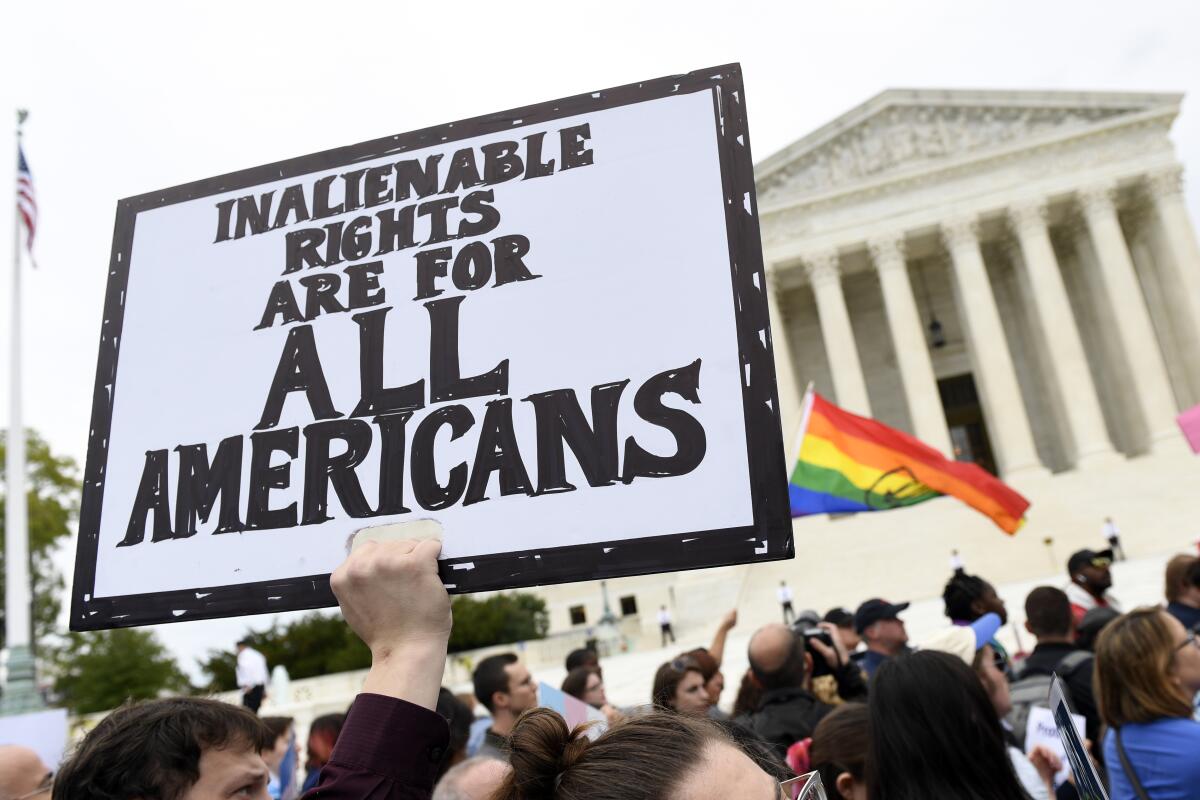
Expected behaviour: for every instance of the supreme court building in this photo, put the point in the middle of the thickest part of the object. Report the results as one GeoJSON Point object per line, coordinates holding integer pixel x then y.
{"type": "Point", "coordinates": [1011, 276]}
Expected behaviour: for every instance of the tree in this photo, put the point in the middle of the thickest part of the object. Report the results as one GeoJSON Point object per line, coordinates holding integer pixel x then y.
{"type": "Point", "coordinates": [321, 644]}
{"type": "Point", "coordinates": [99, 670]}
{"type": "Point", "coordinates": [500, 619]}
{"type": "Point", "coordinates": [53, 498]}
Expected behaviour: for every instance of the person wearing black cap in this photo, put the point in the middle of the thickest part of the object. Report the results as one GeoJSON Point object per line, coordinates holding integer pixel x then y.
{"type": "Point", "coordinates": [878, 623]}
{"type": "Point", "coordinates": [1090, 581]}
{"type": "Point", "coordinates": [844, 620]}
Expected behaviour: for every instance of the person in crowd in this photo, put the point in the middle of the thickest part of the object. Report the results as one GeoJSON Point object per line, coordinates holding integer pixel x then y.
{"type": "Point", "coordinates": [935, 733]}
{"type": "Point", "coordinates": [1091, 579]}
{"type": "Point", "coordinates": [583, 657]}
{"type": "Point", "coordinates": [1183, 590]}
{"type": "Point", "coordinates": [459, 716]}
{"type": "Point", "coordinates": [23, 774]}
{"type": "Point", "coordinates": [1147, 672]}
{"type": "Point", "coordinates": [252, 675]}
{"type": "Point", "coordinates": [586, 684]}
{"type": "Point", "coordinates": [477, 778]}
{"type": "Point", "coordinates": [1048, 617]}
{"type": "Point", "coordinates": [322, 736]}
{"type": "Point", "coordinates": [1112, 534]}
{"type": "Point", "coordinates": [878, 623]}
{"type": "Point", "coordinates": [280, 759]}
{"type": "Point", "coordinates": [714, 679]}
{"type": "Point", "coordinates": [1093, 622]}
{"type": "Point", "coordinates": [969, 597]}
{"type": "Point", "coordinates": [785, 603]}
{"type": "Point", "coordinates": [679, 686]}
{"type": "Point", "coordinates": [839, 751]}
{"type": "Point", "coordinates": [970, 644]}
{"type": "Point", "coordinates": [507, 689]}
{"type": "Point", "coordinates": [664, 625]}
{"type": "Point", "coordinates": [178, 747]}
{"type": "Point", "coordinates": [787, 711]}
{"type": "Point", "coordinates": [649, 757]}
{"type": "Point", "coordinates": [748, 697]}
{"type": "Point", "coordinates": [843, 620]}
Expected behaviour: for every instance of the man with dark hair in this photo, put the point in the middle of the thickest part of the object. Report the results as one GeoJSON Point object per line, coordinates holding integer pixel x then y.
{"type": "Point", "coordinates": [1048, 617]}
{"type": "Point", "coordinates": [175, 749]}
{"type": "Point", "coordinates": [1091, 579]}
{"type": "Point", "coordinates": [583, 657]}
{"type": "Point", "coordinates": [507, 690]}
{"type": "Point", "coordinates": [780, 664]}
{"type": "Point", "coordinates": [878, 623]}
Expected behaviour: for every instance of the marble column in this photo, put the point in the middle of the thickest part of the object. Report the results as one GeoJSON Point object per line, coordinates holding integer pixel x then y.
{"type": "Point", "coordinates": [1007, 421]}
{"type": "Point", "coordinates": [908, 340]}
{"type": "Point", "coordinates": [824, 273]}
{"type": "Point", "coordinates": [1069, 370]}
{"type": "Point", "coordinates": [785, 370]}
{"type": "Point", "coordinates": [1181, 267]}
{"type": "Point", "coordinates": [1129, 315]}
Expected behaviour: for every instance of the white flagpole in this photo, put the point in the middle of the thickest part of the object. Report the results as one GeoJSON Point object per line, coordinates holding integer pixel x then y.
{"type": "Point", "coordinates": [20, 688]}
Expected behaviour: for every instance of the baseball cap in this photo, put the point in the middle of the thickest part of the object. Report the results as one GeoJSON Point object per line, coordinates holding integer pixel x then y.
{"type": "Point", "coordinates": [964, 641]}
{"type": "Point", "coordinates": [1082, 558]}
{"type": "Point", "coordinates": [875, 610]}
{"type": "Point", "coordinates": [840, 617]}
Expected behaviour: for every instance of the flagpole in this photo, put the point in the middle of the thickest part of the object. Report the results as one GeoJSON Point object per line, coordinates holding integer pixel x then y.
{"type": "Point", "coordinates": [20, 686]}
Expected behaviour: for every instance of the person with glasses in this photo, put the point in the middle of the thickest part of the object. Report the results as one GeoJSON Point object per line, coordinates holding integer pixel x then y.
{"type": "Point", "coordinates": [679, 687]}
{"type": "Point", "coordinates": [1147, 672]}
{"type": "Point", "coordinates": [586, 684]}
{"type": "Point", "coordinates": [1091, 579]}
{"type": "Point", "coordinates": [23, 774]}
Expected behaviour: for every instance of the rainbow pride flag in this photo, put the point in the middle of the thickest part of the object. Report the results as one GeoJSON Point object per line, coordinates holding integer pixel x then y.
{"type": "Point", "coordinates": [847, 464]}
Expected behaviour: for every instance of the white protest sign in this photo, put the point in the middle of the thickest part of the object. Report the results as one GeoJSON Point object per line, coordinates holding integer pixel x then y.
{"type": "Point", "coordinates": [1040, 729]}
{"type": "Point", "coordinates": [545, 329]}
{"type": "Point", "coordinates": [44, 732]}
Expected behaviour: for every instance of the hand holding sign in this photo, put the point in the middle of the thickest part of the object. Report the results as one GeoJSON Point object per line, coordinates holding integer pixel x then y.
{"type": "Point", "coordinates": [392, 597]}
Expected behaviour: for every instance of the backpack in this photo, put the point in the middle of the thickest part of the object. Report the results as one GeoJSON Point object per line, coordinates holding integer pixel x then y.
{"type": "Point", "coordinates": [1034, 690]}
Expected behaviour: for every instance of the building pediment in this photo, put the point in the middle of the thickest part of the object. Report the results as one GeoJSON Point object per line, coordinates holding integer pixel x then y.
{"type": "Point", "coordinates": [905, 131]}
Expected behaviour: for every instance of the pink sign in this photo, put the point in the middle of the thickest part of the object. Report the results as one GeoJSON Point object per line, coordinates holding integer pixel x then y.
{"type": "Point", "coordinates": [1189, 423]}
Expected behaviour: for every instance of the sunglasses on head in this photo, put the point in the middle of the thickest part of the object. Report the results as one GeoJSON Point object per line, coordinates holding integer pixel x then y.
{"type": "Point", "coordinates": [1101, 563]}
{"type": "Point", "coordinates": [684, 663]}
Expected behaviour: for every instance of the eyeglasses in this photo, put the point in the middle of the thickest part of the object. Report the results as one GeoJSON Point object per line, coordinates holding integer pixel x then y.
{"type": "Point", "coordinates": [46, 785]}
{"type": "Point", "coordinates": [684, 664]}
{"type": "Point", "coordinates": [1192, 638]}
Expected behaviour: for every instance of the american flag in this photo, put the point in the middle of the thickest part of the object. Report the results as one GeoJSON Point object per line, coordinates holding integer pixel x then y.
{"type": "Point", "coordinates": [26, 200]}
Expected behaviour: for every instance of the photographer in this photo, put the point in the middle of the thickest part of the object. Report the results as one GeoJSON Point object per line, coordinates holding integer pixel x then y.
{"type": "Point", "coordinates": [781, 664]}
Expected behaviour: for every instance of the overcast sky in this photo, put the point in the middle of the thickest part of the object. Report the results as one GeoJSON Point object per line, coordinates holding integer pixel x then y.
{"type": "Point", "coordinates": [127, 98]}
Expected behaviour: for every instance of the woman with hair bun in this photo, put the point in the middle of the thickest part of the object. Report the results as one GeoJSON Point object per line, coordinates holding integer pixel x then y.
{"type": "Point", "coordinates": [657, 756]}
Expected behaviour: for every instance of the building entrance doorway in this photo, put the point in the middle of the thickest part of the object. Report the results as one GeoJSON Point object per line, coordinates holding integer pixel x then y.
{"type": "Point", "coordinates": [964, 418]}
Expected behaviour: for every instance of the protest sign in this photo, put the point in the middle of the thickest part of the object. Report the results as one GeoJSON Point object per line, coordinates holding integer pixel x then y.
{"type": "Point", "coordinates": [1041, 729]}
{"type": "Point", "coordinates": [545, 328]}
{"type": "Point", "coordinates": [1087, 780]}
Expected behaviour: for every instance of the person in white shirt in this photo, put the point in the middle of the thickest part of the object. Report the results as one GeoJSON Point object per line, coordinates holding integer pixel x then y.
{"type": "Point", "coordinates": [252, 675]}
{"type": "Point", "coordinates": [664, 625]}
{"type": "Point", "coordinates": [1113, 534]}
{"type": "Point", "coordinates": [956, 563]}
{"type": "Point", "coordinates": [785, 602]}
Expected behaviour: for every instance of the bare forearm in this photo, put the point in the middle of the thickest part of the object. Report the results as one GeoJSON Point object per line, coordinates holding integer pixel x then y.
{"type": "Point", "coordinates": [411, 672]}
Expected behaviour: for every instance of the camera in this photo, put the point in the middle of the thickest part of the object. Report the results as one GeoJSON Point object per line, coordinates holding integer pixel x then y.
{"type": "Point", "coordinates": [819, 665]}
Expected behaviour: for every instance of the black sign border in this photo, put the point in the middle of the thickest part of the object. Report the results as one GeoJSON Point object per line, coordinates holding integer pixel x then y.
{"type": "Point", "coordinates": [769, 538]}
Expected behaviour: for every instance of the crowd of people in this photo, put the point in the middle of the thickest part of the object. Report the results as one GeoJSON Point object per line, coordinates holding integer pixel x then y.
{"type": "Point", "coordinates": [845, 694]}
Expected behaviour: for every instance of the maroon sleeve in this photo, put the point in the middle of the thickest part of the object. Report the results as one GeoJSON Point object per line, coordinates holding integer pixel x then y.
{"type": "Point", "coordinates": [389, 749]}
